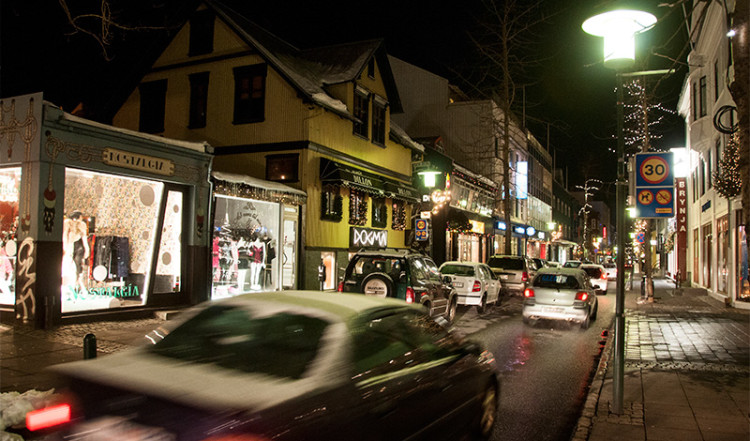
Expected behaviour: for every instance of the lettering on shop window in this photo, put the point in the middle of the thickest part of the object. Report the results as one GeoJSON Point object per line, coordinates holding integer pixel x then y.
{"type": "Point", "coordinates": [110, 291]}
{"type": "Point", "coordinates": [134, 161]}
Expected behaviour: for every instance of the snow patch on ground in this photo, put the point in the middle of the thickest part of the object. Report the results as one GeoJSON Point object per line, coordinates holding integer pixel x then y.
{"type": "Point", "coordinates": [14, 406]}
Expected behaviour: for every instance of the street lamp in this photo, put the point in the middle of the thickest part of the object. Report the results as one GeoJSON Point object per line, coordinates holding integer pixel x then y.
{"type": "Point", "coordinates": [619, 28]}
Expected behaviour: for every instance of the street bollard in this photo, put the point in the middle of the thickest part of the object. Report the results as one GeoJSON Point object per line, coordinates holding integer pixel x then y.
{"type": "Point", "coordinates": [643, 287]}
{"type": "Point", "coordinates": [89, 346]}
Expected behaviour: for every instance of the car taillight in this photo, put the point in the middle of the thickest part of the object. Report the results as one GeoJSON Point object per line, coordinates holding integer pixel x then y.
{"type": "Point", "coordinates": [604, 276]}
{"type": "Point", "coordinates": [528, 292]}
{"type": "Point", "coordinates": [409, 295]}
{"type": "Point", "coordinates": [477, 286]}
{"type": "Point", "coordinates": [341, 286]}
{"type": "Point", "coordinates": [48, 417]}
{"type": "Point", "coordinates": [525, 277]}
{"type": "Point", "coordinates": [582, 295]}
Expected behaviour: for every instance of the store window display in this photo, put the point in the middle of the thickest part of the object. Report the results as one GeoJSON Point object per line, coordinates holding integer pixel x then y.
{"type": "Point", "coordinates": [108, 240]}
{"type": "Point", "coordinates": [10, 181]}
{"type": "Point", "coordinates": [244, 246]}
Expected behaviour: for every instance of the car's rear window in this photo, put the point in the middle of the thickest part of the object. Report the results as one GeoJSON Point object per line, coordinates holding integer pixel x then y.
{"type": "Point", "coordinates": [609, 265]}
{"type": "Point", "coordinates": [506, 263]}
{"type": "Point", "coordinates": [557, 281]}
{"type": "Point", "coordinates": [458, 270]}
{"type": "Point", "coordinates": [365, 265]}
{"type": "Point", "coordinates": [281, 344]}
{"type": "Point", "coordinates": [594, 273]}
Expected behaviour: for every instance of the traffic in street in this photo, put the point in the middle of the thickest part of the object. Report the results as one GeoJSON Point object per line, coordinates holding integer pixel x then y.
{"type": "Point", "coordinates": [545, 367]}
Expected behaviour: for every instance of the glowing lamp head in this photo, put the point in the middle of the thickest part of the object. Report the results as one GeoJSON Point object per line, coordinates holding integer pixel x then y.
{"type": "Point", "coordinates": [429, 178]}
{"type": "Point", "coordinates": [619, 28]}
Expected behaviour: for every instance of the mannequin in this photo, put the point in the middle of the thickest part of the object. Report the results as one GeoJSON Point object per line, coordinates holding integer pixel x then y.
{"type": "Point", "coordinates": [75, 252]}
{"type": "Point", "coordinates": [257, 262]}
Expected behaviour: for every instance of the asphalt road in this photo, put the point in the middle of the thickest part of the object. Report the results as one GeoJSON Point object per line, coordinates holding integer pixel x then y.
{"type": "Point", "coordinates": [545, 368]}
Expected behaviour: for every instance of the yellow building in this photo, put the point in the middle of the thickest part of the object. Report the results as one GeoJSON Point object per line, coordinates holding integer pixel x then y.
{"type": "Point", "coordinates": [306, 157]}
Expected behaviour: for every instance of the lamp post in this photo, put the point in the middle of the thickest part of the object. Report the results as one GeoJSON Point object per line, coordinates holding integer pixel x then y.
{"type": "Point", "coordinates": [619, 27]}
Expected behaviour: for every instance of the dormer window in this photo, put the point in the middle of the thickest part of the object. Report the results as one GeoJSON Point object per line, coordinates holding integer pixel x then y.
{"type": "Point", "coordinates": [201, 33]}
{"type": "Point", "coordinates": [371, 68]}
{"type": "Point", "coordinates": [361, 112]}
{"type": "Point", "coordinates": [378, 121]}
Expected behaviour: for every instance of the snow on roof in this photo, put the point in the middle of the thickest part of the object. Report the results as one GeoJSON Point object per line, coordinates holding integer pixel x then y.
{"type": "Point", "coordinates": [202, 147]}
{"type": "Point", "coordinates": [481, 178]}
{"type": "Point", "coordinates": [255, 182]}
{"type": "Point", "coordinates": [326, 100]}
{"type": "Point", "coordinates": [401, 136]}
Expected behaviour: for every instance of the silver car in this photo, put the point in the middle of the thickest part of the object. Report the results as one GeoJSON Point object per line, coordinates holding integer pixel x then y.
{"type": "Point", "coordinates": [561, 294]}
{"type": "Point", "coordinates": [514, 272]}
{"type": "Point", "coordinates": [474, 282]}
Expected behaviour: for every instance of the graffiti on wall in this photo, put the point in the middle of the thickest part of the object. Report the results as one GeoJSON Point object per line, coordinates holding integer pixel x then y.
{"type": "Point", "coordinates": [26, 278]}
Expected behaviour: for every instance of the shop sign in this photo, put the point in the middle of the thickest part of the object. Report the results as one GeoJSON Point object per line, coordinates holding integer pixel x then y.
{"type": "Point", "coordinates": [477, 227]}
{"type": "Point", "coordinates": [134, 161]}
{"type": "Point", "coordinates": [368, 238]}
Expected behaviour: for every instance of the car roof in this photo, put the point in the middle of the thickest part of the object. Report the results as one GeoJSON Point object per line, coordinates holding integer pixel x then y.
{"type": "Point", "coordinates": [561, 270]}
{"type": "Point", "coordinates": [591, 265]}
{"type": "Point", "coordinates": [465, 263]}
{"type": "Point", "coordinates": [344, 306]}
{"type": "Point", "coordinates": [506, 256]}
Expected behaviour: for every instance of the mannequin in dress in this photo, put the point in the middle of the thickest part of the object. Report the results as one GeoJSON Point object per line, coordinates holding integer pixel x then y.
{"type": "Point", "coordinates": [75, 252]}
{"type": "Point", "coordinates": [257, 262]}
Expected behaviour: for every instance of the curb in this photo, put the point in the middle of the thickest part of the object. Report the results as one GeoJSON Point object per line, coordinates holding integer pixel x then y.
{"type": "Point", "coordinates": [586, 420]}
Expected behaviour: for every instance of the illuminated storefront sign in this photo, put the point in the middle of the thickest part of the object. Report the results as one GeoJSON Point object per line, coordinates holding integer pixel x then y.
{"type": "Point", "coordinates": [522, 180]}
{"type": "Point", "coordinates": [368, 238]}
{"type": "Point", "coordinates": [477, 227]}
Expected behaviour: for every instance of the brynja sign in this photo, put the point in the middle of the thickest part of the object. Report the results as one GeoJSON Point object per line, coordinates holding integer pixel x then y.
{"type": "Point", "coordinates": [682, 227]}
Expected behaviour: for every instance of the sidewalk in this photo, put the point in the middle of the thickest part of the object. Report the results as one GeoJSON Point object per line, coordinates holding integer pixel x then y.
{"type": "Point", "coordinates": [687, 372]}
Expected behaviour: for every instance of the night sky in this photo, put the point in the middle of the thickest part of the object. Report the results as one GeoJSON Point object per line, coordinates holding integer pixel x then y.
{"type": "Point", "coordinates": [569, 94]}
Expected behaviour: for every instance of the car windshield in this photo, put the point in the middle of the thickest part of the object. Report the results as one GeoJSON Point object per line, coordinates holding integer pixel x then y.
{"type": "Point", "coordinates": [594, 273]}
{"type": "Point", "coordinates": [556, 281]}
{"type": "Point", "coordinates": [609, 265]}
{"type": "Point", "coordinates": [506, 263]}
{"type": "Point", "coordinates": [281, 344]}
{"type": "Point", "coordinates": [572, 264]}
{"type": "Point", "coordinates": [376, 264]}
{"type": "Point", "coordinates": [457, 270]}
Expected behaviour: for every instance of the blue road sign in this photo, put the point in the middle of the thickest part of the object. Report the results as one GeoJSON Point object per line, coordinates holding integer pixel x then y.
{"type": "Point", "coordinates": [654, 185]}
{"type": "Point", "coordinates": [421, 229]}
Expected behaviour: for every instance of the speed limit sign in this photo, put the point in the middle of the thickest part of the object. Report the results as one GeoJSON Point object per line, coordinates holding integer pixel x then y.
{"type": "Point", "coordinates": [654, 169]}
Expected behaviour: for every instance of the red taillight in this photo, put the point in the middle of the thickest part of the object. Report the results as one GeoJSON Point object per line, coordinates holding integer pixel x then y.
{"type": "Point", "coordinates": [528, 292]}
{"type": "Point", "coordinates": [409, 295]}
{"type": "Point", "coordinates": [525, 277]}
{"type": "Point", "coordinates": [477, 286]}
{"type": "Point", "coordinates": [47, 417]}
{"type": "Point", "coordinates": [341, 287]}
{"type": "Point", "coordinates": [582, 295]}
{"type": "Point", "coordinates": [604, 276]}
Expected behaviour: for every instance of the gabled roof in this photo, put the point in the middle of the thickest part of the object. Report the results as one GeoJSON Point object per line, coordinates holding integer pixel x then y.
{"type": "Point", "coordinates": [310, 71]}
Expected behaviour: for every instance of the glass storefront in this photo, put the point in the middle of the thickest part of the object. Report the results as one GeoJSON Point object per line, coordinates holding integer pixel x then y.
{"type": "Point", "coordinates": [10, 181]}
{"type": "Point", "coordinates": [245, 248]}
{"type": "Point", "coordinates": [743, 278]}
{"type": "Point", "coordinates": [110, 231]}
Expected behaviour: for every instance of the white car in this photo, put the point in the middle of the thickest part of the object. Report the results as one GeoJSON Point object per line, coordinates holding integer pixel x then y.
{"type": "Point", "coordinates": [611, 270]}
{"type": "Point", "coordinates": [598, 276]}
{"type": "Point", "coordinates": [560, 294]}
{"type": "Point", "coordinates": [474, 282]}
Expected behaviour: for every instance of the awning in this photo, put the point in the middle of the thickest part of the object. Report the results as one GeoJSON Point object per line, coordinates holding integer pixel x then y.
{"type": "Point", "coordinates": [230, 184]}
{"type": "Point", "coordinates": [332, 172]}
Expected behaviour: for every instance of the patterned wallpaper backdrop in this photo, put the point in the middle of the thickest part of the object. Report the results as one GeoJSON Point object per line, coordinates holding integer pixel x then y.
{"type": "Point", "coordinates": [121, 207]}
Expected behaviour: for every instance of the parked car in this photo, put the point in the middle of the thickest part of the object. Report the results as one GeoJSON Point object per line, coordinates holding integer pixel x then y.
{"type": "Point", "coordinates": [553, 264]}
{"type": "Point", "coordinates": [598, 276]}
{"type": "Point", "coordinates": [611, 269]}
{"type": "Point", "coordinates": [474, 282]}
{"type": "Point", "coordinates": [408, 276]}
{"type": "Point", "coordinates": [514, 272]}
{"type": "Point", "coordinates": [572, 264]}
{"type": "Point", "coordinates": [294, 365]}
{"type": "Point", "coordinates": [561, 294]}
{"type": "Point", "coordinates": [540, 263]}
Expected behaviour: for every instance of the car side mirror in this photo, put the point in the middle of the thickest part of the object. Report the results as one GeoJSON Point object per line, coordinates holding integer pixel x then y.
{"type": "Point", "coordinates": [447, 280]}
{"type": "Point", "coordinates": [402, 277]}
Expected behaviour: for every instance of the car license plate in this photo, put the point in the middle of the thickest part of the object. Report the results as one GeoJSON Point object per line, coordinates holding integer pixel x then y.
{"type": "Point", "coordinates": [121, 429]}
{"type": "Point", "coordinates": [554, 309]}
{"type": "Point", "coordinates": [458, 284]}
{"type": "Point", "coordinates": [503, 277]}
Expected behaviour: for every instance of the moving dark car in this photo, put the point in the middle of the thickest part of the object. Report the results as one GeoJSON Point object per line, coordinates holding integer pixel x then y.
{"type": "Point", "coordinates": [412, 277]}
{"type": "Point", "coordinates": [288, 366]}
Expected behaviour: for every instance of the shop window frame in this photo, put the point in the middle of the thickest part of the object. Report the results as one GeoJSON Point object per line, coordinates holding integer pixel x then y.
{"type": "Point", "coordinates": [357, 207]}
{"type": "Point", "coordinates": [171, 297]}
{"type": "Point", "coordinates": [379, 213]}
{"type": "Point", "coordinates": [331, 203]}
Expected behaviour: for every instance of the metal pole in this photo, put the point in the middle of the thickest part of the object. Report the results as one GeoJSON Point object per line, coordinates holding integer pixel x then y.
{"type": "Point", "coordinates": [619, 365]}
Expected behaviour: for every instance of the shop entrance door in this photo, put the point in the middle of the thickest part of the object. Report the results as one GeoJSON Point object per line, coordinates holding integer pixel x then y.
{"type": "Point", "coordinates": [289, 248]}
{"type": "Point", "coordinates": [169, 260]}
